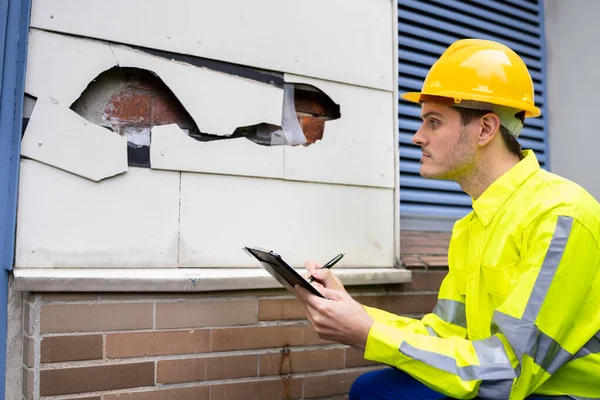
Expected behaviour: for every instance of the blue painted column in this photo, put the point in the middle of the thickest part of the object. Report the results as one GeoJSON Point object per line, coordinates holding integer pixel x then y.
{"type": "Point", "coordinates": [14, 29]}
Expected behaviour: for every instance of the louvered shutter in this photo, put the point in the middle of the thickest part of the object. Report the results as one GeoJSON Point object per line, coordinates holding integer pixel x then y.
{"type": "Point", "coordinates": [425, 29]}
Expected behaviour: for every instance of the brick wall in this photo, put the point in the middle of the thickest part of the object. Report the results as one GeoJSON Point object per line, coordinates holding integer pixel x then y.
{"type": "Point", "coordinates": [235, 345]}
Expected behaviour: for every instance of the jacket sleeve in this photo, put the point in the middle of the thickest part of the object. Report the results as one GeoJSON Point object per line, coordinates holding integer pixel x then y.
{"type": "Point", "coordinates": [533, 330]}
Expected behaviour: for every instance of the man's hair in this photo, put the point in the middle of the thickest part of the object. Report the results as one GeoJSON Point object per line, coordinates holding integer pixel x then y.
{"type": "Point", "coordinates": [469, 114]}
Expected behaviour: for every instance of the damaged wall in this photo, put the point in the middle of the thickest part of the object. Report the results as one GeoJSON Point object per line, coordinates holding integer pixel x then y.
{"type": "Point", "coordinates": [334, 40]}
{"type": "Point", "coordinates": [151, 156]}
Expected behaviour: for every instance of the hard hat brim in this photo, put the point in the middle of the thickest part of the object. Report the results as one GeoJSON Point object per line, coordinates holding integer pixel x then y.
{"type": "Point", "coordinates": [530, 111]}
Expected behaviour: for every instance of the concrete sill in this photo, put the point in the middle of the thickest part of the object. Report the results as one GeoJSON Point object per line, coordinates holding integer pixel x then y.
{"type": "Point", "coordinates": [178, 279]}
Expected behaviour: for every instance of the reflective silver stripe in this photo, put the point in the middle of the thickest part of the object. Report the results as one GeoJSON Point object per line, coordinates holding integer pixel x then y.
{"type": "Point", "coordinates": [495, 390]}
{"type": "Point", "coordinates": [431, 331]}
{"type": "Point", "coordinates": [494, 363]}
{"type": "Point", "coordinates": [549, 267]}
{"type": "Point", "coordinates": [591, 347]}
{"type": "Point", "coordinates": [549, 354]}
{"type": "Point", "coordinates": [523, 335]}
{"type": "Point", "coordinates": [451, 311]}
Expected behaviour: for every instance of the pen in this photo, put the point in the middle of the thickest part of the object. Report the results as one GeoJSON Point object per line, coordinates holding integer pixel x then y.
{"type": "Point", "coordinates": [329, 264]}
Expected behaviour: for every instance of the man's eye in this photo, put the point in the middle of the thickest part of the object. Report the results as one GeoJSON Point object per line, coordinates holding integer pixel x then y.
{"type": "Point", "coordinates": [434, 123]}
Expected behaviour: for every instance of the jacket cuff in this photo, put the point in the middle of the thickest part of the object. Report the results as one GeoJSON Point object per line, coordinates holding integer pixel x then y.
{"type": "Point", "coordinates": [383, 344]}
{"type": "Point", "coordinates": [379, 315]}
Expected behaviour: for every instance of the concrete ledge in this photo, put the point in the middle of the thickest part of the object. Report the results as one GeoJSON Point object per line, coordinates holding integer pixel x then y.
{"type": "Point", "coordinates": [178, 279]}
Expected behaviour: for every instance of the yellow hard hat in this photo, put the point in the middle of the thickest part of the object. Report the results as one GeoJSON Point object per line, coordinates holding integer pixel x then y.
{"type": "Point", "coordinates": [482, 71]}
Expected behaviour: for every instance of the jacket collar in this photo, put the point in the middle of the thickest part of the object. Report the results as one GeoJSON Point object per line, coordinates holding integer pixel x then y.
{"type": "Point", "coordinates": [492, 199]}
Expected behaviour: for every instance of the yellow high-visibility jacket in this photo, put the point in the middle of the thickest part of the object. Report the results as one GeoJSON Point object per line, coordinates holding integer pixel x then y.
{"type": "Point", "coordinates": [519, 311]}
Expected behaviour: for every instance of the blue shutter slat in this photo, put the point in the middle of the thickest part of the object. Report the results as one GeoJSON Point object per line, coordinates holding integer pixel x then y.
{"type": "Point", "coordinates": [433, 197]}
{"type": "Point", "coordinates": [447, 38]}
{"type": "Point", "coordinates": [420, 45]}
{"type": "Point", "coordinates": [442, 211]}
{"type": "Point", "coordinates": [422, 183]}
{"type": "Point", "coordinates": [524, 4]}
{"type": "Point", "coordinates": [508, 9]}
{"type": "Point", "coordinates": [410, 166]}
{"type": "Point", "coordinates": [425, 29]}
{"type": "Point", "coordinates": [494, 29]}
{"type": "Point", "coordinates": [413, 153]}
{"type": "Point", "coordinates": [465, 31]}
{"type": "Point", "coordinates": [480, 12]}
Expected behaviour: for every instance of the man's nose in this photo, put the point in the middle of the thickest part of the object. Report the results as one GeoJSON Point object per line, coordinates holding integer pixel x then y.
{"type": "Point", "coordinates": [419, 138]}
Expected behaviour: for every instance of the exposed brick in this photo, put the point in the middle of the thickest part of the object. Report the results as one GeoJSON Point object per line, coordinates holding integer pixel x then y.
{"type": "Point", "coordinates": [276, 309]}
{"type": "Point", "coordinates": [27, 319]}
{"type": "Point", "coordinates": [223, 339]}
{"type": "Point", "coordinates": [435, 261]}
{"type": "Point", "coordinates": [120, 345]}
{"type": "Point", "coordinates": [424, 241]}
{"type": "Point", "coordinates": [313, 128]}
{"type": "Point", "coordinates": [327, 385]}
{"type": "Point", "coordinates": [232, 367]}
{"type": "Point", "coordinates": [168, 110]}
{"type": "Point", "coordinates": [311, 338]}
{"type": "Point", "coordinates": [86, 398]}
{"type": "Point", "coordinates": [97, 378]}
{"type": "Point", "coordinates": [210, 368]}
{"type": "Point", "coordinates": [179, 371]}
{"type": "Point", "coordinates": [28, 383]}
{"type": "Point", "coordinates": [427, 280]}
{"type": "Point", "coordinates": [129, 106]}
{"type": "Point", "coordinates": [194, 314]}
{"type": "Point", "coordinates": [423, 250]}
{"type": "Point", "coordinates": [427, 303]}
{"type": "Point", "coordinates": [308, 105]}
{"type": "Point", "coordinates": [273, 389]}
{"type": "Point", "coordinates": [46, 297]}
{"type": "Point", "coordinates": [400, 304]}
{"type": "Point", "coordinates": [191, 393]}
{"type": "Point", "coordinates": [355, 358]}
{"type": "Point", "coordinates": [28, 351]}
{"type": "Point", "coordinates": [408, 261]}
{"type": "Point", "coordinates": [71, 348]}
{"type": "Point", "coordinates": [95, 317]}
{"type": "Point", "coordinates": [301, 361]}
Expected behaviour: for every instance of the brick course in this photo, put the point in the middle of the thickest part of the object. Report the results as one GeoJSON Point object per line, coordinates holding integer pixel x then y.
{"type": "Point", "coordinates": [252, 344]}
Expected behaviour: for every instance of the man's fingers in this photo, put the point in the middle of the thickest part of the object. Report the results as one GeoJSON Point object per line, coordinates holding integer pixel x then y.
{"type": "Point", "coordinates": [331, 294]}
{"type": "Point", "coordinates": [306, 296]}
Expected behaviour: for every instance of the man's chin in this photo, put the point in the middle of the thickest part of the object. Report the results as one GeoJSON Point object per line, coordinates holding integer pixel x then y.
{"type": "Point", "coordinates": [427, 174]}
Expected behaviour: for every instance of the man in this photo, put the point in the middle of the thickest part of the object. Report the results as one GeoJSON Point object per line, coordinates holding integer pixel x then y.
{"type": "Point", "coordinates": [518, 315]}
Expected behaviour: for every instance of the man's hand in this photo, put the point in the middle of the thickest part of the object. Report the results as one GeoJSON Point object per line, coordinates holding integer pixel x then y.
{"type": "Point", "coordinates": [338, 318]}
{"type": "Point", "coordinates": [324, 276]}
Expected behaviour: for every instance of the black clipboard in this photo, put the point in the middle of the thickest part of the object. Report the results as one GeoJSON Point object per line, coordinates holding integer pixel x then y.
{"type": "Point", "coordinates": [280, 270]}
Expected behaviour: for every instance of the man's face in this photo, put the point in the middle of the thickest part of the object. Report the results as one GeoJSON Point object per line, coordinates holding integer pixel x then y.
{"type": "Point", "coordinates": [448, 147]}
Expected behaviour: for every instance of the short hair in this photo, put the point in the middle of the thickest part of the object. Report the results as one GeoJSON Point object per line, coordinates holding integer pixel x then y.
{"type": "Point", "coordinates": [467, 115]}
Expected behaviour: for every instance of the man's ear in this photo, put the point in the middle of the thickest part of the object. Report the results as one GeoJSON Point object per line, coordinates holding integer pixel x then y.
{"type": "Point", "coordinates": [489, 126]}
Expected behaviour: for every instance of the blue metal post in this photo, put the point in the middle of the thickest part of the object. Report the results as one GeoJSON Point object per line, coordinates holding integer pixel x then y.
{"type": "Point", "coordinates": [14, 28]}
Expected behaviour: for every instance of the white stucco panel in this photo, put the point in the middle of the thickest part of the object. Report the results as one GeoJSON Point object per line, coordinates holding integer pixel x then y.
{"type": "Point", "coordinates": [356, 149]}
{"type": "Point", "coordinates": [173, 149]}
{"type": "Point", "coordinates": [299, 220]}
{"type": "Point", "coordinates": [57, 136]}
{"type": "Point", "coordinates": [130, 220]}
{"type": "Point", "coordinates": [151, 23]}
{"type": "Point", "coordinates": [62, 66]}
{"type": "Point", "coordinates": [338, 40]}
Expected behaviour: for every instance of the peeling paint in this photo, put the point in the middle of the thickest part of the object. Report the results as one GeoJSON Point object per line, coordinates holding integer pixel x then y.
{"type": "Point", "coordinates": [57, 136]}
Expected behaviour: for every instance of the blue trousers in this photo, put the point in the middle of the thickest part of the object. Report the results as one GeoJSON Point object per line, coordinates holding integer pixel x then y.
{"type": "Point", "coordinates": [393, 384]}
